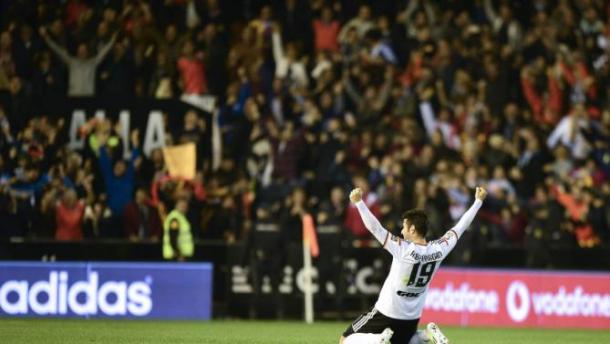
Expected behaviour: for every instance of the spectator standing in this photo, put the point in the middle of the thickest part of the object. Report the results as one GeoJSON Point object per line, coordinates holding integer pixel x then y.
{"type": "Point", "coordinates": [265, 255]}
{"type": "Point", "coordinates": [287, 65]}
{"type": "Point", "coordinates": [140, 219]}
{"type": "Point", "coordinates": [69, 216]}
{"type": "Point", "coordinates": [117, 72]}
{"type": "Point", "coordinates": [119, 180]}
{"type": "Point", "coordinates": [329, 224]}
{"type": "Point", "coordinates": [291, 217]}
{"type": "Point", "coordinates": [192, 71]}
{"type": "Point", "coordinates": [362, 23]}
{"type": "Point", "coordinates": [48, 79]}
{"type": "Point", "coordinates": [82, 68]}
{"type": "Point", "coordinates": [25, 49]}
{"type": "Point", "coordinates": [287, 149]}
{"type": "Point", "coordinates": [215, 58]}
{"type": "Point", "coordinates": [326, 31]}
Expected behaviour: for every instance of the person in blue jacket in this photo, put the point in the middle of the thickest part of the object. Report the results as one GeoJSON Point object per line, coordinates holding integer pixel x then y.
{"type": "Point", "coordinates": [119, 180]}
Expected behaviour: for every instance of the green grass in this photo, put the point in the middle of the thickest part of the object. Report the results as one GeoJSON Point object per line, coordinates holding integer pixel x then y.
{"type": "Point", "coordinates": [249, 332]}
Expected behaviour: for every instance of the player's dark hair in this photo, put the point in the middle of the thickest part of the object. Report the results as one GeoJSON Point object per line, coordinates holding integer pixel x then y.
{"type": "Point", "coordinates": [417, 218]}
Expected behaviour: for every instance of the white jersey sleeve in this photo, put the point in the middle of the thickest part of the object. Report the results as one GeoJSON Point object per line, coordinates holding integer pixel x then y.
{"type": "Point", "coordinates": [389, 242]}
{"type": "Point", "coordinates": [448, 241]}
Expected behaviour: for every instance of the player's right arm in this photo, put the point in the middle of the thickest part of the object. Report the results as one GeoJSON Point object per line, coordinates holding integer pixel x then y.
{"type": "Point", "coordinates": [450, 238]}
{"type": "Point", "coordinates": [371, 223]}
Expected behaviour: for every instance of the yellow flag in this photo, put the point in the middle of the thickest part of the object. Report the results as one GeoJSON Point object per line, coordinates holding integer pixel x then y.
{"type": "Point", "coordinates": [181, 160]}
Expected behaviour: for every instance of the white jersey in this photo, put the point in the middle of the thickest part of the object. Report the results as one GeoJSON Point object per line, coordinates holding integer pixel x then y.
{"type": "Point", "coordinates": [403, 294]}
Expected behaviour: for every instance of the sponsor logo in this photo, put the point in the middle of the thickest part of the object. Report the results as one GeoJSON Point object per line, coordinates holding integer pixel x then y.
{"type": "Point", "coordinates": [462, 299]}
{"type": "Point", "coordinates": [58, 296]}
{"type": "Point", "coordinates": [407, 294]}
{"type": "Point", "coordinates": [520, 302]}
{"type": "Point", "coordinates": [562, 303]}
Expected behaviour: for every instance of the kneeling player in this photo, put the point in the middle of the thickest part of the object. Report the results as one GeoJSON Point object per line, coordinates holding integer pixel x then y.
{"type": "Point", "coordinates": [396, 314]}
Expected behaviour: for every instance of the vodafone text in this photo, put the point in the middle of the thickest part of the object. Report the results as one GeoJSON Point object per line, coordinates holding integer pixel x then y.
{"type": "Point", "coordinates": [519, 301]}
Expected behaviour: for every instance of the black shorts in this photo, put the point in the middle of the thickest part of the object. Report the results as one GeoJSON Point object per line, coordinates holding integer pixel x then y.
{"type": "Point", "coordinates": [375, 322]}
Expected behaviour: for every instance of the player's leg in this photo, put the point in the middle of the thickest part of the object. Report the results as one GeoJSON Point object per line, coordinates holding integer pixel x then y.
{"type": "Point", "coordinates": [369, 338]}
{"type": "Point", "coordinates": [420, 337]}
{"type": "Point", "coordinates": [361, 338]}
{"type": "Point", "coordinates": [431, 335]}
{"type": "Point", "coordinates": [403, 330]}
{"type": "Point", "coordinates": [435, 335]}
{"type": "Point", "coordinates": [371, 323]}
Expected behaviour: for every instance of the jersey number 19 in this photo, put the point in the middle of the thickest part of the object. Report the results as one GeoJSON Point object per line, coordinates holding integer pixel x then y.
{"type": "Point", "coordinates": [421, 274]}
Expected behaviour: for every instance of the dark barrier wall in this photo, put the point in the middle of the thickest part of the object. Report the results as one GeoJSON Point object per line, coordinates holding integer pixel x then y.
{"type": "Point", "coordinates": [357, 275]}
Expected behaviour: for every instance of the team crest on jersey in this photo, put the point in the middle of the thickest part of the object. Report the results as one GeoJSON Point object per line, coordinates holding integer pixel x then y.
{"type": "Point", "coordinates": [445, 238]}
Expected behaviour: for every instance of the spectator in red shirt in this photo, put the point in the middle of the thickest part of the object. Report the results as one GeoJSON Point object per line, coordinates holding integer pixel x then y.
{"type": "Point", "coordinates": [69, 217]}
{"type": "Point", "coordinates": [74, 10]}
{"type": "Point", "coordinates": [192, 71]}
{"type": "Point", "coordinates": [545, 102]}
{"type": "Point", "coordinates": [140, 219]}
{"type": "Point", "coordinates": [577, 204]}
{"type": "Point", "coordinates": [326, 30]}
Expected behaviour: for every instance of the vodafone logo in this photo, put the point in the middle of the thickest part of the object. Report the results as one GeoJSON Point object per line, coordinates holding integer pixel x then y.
{"type": "Point", "coordinates": [57, 296]}
{"type": "Point", "coordinates": [518, 301]}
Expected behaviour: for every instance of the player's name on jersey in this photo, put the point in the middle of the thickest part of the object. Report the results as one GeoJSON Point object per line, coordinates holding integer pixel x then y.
{"type": "Point", "coordinates": [426, 257]}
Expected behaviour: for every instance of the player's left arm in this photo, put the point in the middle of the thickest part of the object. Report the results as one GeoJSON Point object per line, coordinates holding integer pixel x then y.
{"type": "Point", "coordinates": [469, 215]}
{"type": "Point", "coordinates": [372, 223]}
{"type": "Point", "coordinates": [451, 237]}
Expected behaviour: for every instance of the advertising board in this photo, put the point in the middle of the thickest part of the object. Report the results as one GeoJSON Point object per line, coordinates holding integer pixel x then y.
{"type": "Point", "coordinates": [125, 290]}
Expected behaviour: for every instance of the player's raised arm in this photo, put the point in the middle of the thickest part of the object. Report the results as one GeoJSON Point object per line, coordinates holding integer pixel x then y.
{"type": "Point", "coordinates": [370, 221]}
{"type": "Point", "coordinates": [450, 239]}
{"type": "Point", "coordinates": [469, 215]}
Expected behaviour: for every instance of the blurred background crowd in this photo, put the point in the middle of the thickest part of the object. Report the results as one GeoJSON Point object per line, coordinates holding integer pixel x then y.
{"type": "Point", "coordinates": [416, 102]}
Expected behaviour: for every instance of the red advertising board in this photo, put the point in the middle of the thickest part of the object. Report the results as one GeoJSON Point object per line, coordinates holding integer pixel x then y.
{"type": "Point", "coordinates": [514, 298]}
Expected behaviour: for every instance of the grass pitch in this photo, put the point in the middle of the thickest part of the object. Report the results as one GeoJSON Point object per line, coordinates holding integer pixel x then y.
{"type": "Point", "coordinates": [249, 332]}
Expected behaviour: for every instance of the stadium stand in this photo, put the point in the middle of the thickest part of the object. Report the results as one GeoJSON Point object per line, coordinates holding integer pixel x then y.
{"type": "Point", "coordinates": [414, 101]}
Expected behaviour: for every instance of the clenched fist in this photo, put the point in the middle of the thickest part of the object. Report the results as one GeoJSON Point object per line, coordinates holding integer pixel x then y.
{"type": "Point", "coordinates": [356, 195]}
{"type": "Point", "coordinates": [480, 193]}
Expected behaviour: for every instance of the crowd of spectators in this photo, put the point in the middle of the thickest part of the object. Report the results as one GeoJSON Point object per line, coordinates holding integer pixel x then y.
{"type": "Point", "coordinates": [414, 101]}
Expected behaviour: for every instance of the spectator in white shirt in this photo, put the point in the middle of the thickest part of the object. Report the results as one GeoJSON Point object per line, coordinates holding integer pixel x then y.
{"type": "Point", "coordinates": [568, 133]}
{"type": "Point", "coordinates": [287, 65]}
{"type": "Point", "coordinates": [362, 23]}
